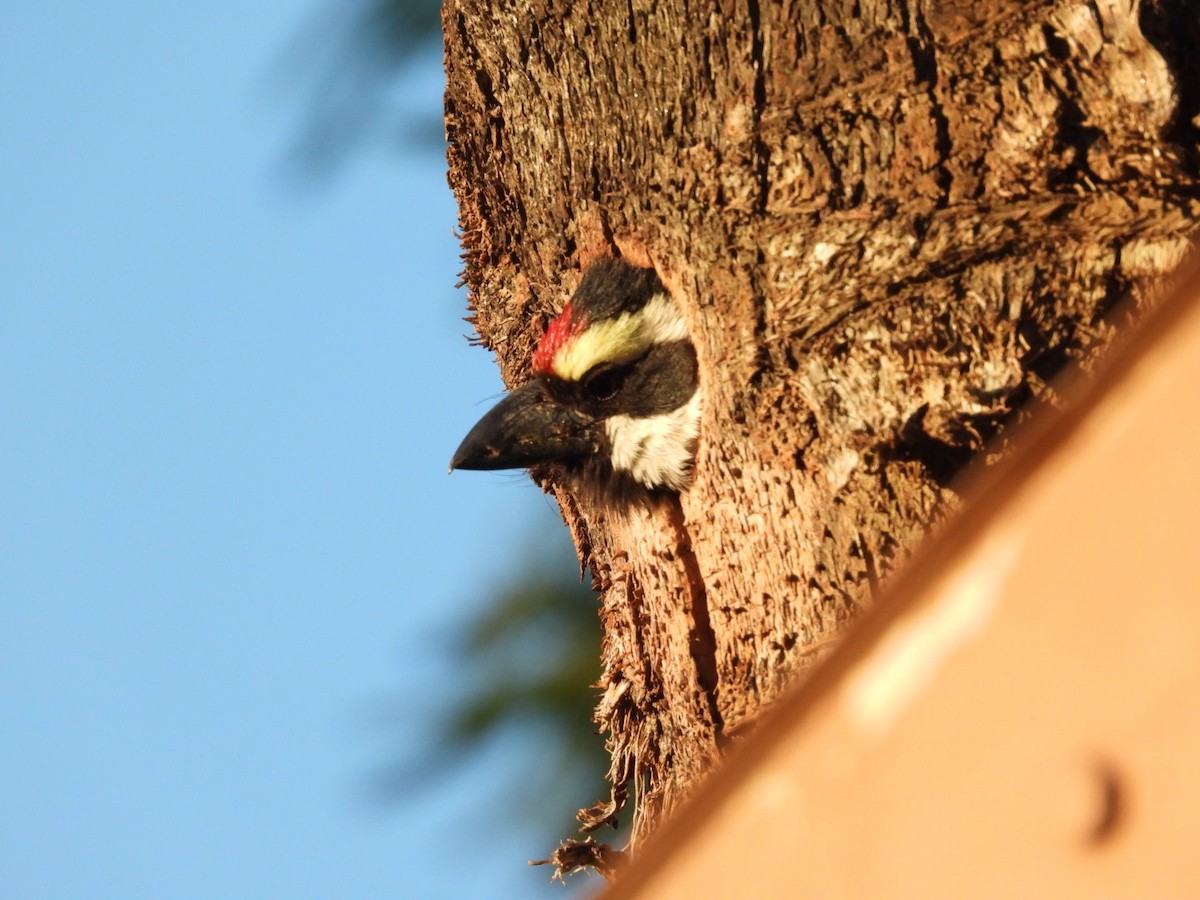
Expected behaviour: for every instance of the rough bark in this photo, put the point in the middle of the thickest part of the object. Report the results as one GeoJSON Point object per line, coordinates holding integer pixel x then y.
{"type": "Point", "coordinates": [887, 223]}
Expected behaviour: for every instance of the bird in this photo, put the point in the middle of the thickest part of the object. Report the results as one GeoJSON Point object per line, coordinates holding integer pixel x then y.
{"type": "Point", "coordinates": [614, 393]}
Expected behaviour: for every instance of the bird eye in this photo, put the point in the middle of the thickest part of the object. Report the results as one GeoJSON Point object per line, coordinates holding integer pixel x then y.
{"type": "Point", "coordinates": [603, 382]}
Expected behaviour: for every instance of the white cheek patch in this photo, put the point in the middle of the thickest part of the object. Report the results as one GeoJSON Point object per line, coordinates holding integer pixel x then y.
{"type": "Point", "coordinates": [622, 339]}
{"type": "Point", "coordinates": [656, 450]}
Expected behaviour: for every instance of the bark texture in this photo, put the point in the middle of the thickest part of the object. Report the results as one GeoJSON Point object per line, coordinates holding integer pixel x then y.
{"type": "Point", "coordinates": [887, 223]}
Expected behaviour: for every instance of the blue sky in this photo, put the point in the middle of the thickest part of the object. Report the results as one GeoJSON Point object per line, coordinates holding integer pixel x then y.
{"type": "Point", "coordinates": [231, 555]}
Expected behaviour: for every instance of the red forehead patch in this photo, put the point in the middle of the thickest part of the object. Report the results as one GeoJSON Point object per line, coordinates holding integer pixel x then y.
{"type": "Point", "coordinates": [564, 329]}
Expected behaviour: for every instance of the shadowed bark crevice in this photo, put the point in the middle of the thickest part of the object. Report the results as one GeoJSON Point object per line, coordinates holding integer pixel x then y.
{"type": "Point", "coordinates": [702, 641]}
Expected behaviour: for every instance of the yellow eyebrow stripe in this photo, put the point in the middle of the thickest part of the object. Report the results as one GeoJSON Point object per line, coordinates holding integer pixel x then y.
{"type": "Point", "coordinates": [616, 340]}
{"type": "Point", "coordinates": [622, 339]}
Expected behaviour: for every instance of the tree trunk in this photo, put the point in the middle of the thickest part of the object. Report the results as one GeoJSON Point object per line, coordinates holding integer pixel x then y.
{"type": "Point", "coordinates": [887, 224]}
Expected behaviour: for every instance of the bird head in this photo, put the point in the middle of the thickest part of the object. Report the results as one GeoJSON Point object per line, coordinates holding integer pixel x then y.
{"type": "Point", "coordinates": [615, 388]}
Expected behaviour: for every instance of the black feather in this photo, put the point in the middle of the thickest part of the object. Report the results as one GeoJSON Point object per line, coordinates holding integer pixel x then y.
{"type": "Point", "coordinates": [611, 287]}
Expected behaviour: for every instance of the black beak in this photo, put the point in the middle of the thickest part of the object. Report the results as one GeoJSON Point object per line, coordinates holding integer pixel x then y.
{"type": "Point", "coordinates": [525, 428]}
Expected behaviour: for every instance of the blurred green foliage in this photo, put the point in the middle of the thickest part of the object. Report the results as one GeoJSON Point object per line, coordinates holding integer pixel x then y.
{"type": "Point", "coordinates": [527, 659]}
{"type": "Point", "coordinates": [530, 654]}
{"type": "Point", "coordinates": [348, 65]}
